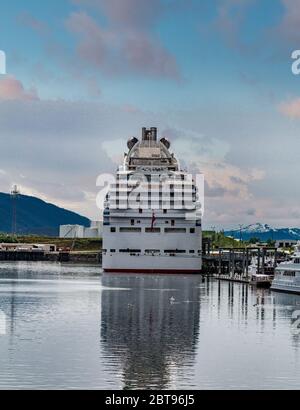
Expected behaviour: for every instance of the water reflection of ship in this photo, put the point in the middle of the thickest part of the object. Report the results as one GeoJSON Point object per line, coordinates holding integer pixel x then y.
{"type": "Point", "coordinates": [152, 327]}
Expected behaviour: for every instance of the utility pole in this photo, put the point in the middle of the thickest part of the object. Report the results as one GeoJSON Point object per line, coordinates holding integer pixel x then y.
{"type": "Point", "coordinates": [213, 228]}
{"type": "Point", "coordinates": [241, 226]}
{"type": "Point", "coordinates": [14, 196]}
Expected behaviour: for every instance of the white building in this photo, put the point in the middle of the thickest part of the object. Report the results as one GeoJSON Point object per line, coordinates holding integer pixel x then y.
{"type": "Point", "coordinates": [288, 243]}
{"type": "Point", "coordinates": [80, 231]}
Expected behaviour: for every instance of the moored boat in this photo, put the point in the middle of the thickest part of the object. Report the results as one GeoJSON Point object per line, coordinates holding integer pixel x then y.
{"type": "Point", "coordinates": [287, 274]}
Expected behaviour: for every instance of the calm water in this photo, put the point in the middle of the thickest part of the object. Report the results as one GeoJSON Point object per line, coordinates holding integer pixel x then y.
{"type": "Point", "coordinates": [70, 327]}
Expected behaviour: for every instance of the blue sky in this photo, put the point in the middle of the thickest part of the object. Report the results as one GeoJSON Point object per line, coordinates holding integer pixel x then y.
{"type": "Point", "coordinates": [214, 76]}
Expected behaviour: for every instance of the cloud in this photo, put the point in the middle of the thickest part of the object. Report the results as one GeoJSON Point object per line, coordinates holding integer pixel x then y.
{"type": "Point", "coordinates": [92, 47]}
{"type": "Point", "coordinates": [251, 211]}
{"type": "Point", "coordinates": [128, 13]}
{"type": "Point", "coordinates": [60, 147]}
{"type": "Point", "coordinates": [30, 21]}
{"type": "Point", "coordinates": [126, 44]}
{"type": "Point", "coordinates": [13, 89]}
{"type": "Point", "coordinates": [290, 108]}
{"type": "Point", "coordinates": [214, 191]}
{"type": "Point", "coordinates": [230, 18]}
{"type": "Point", "coordinates": [288, 28]}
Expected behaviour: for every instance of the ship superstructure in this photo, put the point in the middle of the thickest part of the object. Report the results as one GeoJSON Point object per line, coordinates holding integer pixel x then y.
{"type": "Point", "coordinates": [152, 214]}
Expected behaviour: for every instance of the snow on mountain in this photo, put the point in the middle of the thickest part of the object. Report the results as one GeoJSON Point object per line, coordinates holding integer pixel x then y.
{"type": "Point", "coordinates": [264, 232]}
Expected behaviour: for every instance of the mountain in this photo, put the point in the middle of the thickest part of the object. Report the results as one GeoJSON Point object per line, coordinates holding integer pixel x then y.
{"type": "Point", "coordinates": [264, 232]}
{"type": "Point", "coordinates": [35, 216]}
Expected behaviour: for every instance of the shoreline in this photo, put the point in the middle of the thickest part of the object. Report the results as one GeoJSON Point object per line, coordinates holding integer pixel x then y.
{"type": "Point", "coordinates": [93, 257]}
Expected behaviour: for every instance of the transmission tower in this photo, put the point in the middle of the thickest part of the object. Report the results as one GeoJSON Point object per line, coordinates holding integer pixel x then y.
{"type": "Point", "coordinates": [14, 196]}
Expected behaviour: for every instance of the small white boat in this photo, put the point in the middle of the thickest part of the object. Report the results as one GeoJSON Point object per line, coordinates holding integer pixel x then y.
{"type": "Point", "coordinates": [261, 276]}
{"type": "Point", "coordinates": [287, 274]}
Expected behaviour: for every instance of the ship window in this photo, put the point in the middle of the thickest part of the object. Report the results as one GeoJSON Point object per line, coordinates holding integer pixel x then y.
{"type": "Point", "coordinates": [132, 222]}
{"type": "Point", "coordinates": [113, 250]}
{"type": "Point", "coordinates": [140, 211]}
{"type": "Point", "coordinates": [192, 251]}
{"type": "Point", "coordinates": [152, 251]}
{"type": "Point", "coordinates": [289, 273]}
{"type": "Point", "coordinates": [175, 230]}
{"type": "Point", "coordinates": [172, 222]}
{"type": "Point", "coordinates": [165, 211]}
{"type": "Point", "coordinates": [130, 229]}
{"type": "Point", "coordinates": [112, 229]}
{"type": "Point", "coordinates": [152, 230]}
{"type": "Point", "coordinates": [192, 230]}
{"type": "Point", "coordinates": [130, 250]}
{"type": "Point", "coordinates": [174, 251]}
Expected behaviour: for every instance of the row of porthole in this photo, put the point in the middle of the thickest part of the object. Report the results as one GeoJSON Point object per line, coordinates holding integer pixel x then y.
{"type": "Point", "coordinates": [151, 230]}
{"type": "Point", "coordinates": [150, 251]}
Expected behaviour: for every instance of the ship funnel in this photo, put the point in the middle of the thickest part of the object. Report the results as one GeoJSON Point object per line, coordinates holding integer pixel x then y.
{"type": "Point", "coordinates": [149, 134]}
{"type": "Point", "coordinates": [154, 134]}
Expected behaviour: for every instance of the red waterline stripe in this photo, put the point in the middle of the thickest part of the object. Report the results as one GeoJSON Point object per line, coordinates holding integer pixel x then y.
{"type": "Point", "coordinates": [163, 271]}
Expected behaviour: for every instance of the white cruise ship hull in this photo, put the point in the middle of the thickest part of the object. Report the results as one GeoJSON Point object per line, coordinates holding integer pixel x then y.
{"type": "Point", "coordinates": [152, 213]}
{"type": "Point", "coordinates": [151, 264]}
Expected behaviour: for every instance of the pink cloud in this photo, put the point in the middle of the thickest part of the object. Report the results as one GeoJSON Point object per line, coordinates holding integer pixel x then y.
{"type": "Point", "coordinates": [226, 22]}
{"type": "Point", "coordinates": [32, 22]}
{"type": "Point", "coordinates": [289, 26]}
{"type": "Point", "coordinates": [137, 13]}
{"type": "Point", "coordinates": [230, 18]}
{"type": "Point", "coordinates": [126, 44]}
{"type": "Point", "coordinates": [149, 57]}
{"type": "Point", "coordinates": [92, 46]}
{"type": "Point", "coordinates": [13, 89]}
{"type": "Point", "coordinates": [290, 108]}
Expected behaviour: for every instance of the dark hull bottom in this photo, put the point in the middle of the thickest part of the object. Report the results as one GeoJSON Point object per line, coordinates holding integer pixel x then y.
{"type": "Point", "coordinates": [261, 285]}
{"type": "Point", "coordinates": [162, 271]}
{"type": "Point", "coordinates": [294, 292]}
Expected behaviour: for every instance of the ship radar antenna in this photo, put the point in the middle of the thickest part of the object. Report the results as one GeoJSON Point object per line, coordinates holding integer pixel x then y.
{"type": "Point", "coordinates": [14, 193]}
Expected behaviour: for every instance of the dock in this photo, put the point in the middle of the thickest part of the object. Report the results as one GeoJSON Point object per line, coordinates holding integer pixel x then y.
{"type": "Point", "coordinates": [232, 264]}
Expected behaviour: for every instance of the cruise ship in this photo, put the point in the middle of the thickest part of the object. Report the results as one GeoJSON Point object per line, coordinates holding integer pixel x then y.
{"type": "Point", "coordinates": [152, 213]}
{"type": "Point", "coordinates": [287, 274]}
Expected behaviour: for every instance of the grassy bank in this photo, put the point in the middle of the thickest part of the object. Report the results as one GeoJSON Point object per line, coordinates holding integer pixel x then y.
{"type": "Point", "coordinates": [219, 240]}
{"type": "Point", "coordinates": [79, 244]}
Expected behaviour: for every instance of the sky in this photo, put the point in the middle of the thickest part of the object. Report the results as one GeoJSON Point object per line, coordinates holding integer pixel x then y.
{"type": "Point", "coordinates": [215, 77]}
